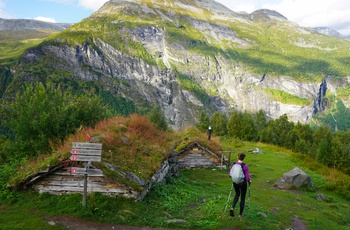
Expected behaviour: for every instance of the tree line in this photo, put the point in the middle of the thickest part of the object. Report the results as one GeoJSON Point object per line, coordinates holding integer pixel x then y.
{"type": "Point", "coordinates": [331, 148]}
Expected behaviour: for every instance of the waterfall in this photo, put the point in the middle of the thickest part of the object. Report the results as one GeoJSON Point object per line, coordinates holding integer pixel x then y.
{"type": "Point", "coordinates": [318, 102]}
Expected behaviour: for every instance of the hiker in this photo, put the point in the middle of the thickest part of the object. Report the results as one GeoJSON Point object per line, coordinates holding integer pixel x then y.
{"type": "Point", "coordinates": [240, 188]}
{"type": "Point", "coordinates": [209, 132]}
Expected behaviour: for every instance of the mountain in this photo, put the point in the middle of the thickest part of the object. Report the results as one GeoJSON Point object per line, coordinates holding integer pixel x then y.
{"type": "Point", "coordinates": [17, 35]}
{"type": "Point", "coordinates": [189, 56]}
{"type": "Point", "coordinates": [329, 32]}
{"type": "Point", "coordinates": [30, 24]}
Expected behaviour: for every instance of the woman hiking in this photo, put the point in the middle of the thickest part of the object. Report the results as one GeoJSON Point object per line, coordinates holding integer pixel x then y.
{"type": "Point", "coordinates": [240, 187]}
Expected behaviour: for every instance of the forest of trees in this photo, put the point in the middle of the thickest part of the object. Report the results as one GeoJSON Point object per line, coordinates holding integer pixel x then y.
{"type": "Point", "coordinates": [326, 146]}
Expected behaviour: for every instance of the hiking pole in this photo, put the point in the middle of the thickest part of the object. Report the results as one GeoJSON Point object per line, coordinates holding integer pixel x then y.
{"type": "Point", "coordinates": [249, 195]}
{"type": "Point", "coordinates": [228, 199]}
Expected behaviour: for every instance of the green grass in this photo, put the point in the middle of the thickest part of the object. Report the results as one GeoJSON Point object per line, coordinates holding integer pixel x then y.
{"type": "Point", "coordinates": [199, 197]}
{"type": "Point", "coordinates": [23, 217]}
{"type": "Point", "coordinates": [14, 43]}
{"type": "Point", "coordinates": [286, 98]}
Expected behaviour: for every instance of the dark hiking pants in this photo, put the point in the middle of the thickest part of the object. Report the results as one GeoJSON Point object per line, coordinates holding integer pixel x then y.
{"type": "Point", "coordinates": [241, 191]}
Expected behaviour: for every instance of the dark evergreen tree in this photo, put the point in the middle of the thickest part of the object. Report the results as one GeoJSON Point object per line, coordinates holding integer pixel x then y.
{"type": "Point", "coordinates": [261, 120]}
{"type": "Point", "coordinates": [341, 151]}
{"type": "Point", "coordinates": [301, 146]}
{"type": "Point", "coordinates": [291, 139]}
{"type": "Point", "coordinates": [342, 116]}
{"type": "Point", "coordinates": [281, 127]}
{"type": "Point", "coordinates": [249, 130]}
{"type": "Point", "coordinates": [234, 124]}
{"type": "Point", "coordinates": [219, 124]}
{"type": "Point", "coordinates": [324, 144]}
{"type": "Point", "coordinates": [203, 122]}
{"type": "Point", "coordinates": [158, 118]}
{"type": "Point", "coordinates": [267, 135]}
{"type": "Point", "coordinates": [305, 132]}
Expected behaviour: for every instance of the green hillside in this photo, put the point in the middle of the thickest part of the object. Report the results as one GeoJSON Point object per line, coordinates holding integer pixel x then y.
{"type": "Point", "coordinates": [14, 43]}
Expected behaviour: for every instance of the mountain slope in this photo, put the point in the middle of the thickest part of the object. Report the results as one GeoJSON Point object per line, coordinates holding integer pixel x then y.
{"type": "Point", "coordinates": [30, 24]}
{"type": "Point", "coordinates": [17, 35]}
{"type": "Point", "coordinates": [184, 56]}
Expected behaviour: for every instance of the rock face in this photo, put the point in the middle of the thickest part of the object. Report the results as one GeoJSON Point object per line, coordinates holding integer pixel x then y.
{"type": "Point", "coordinates": [144, 83]}
{"type": "Point", "coordinates": [295, 178]}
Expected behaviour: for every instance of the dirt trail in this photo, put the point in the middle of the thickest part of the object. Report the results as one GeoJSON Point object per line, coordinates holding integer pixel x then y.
{"type": "Point", "coordinates": [78, 224]}
{"type": "Point", "coordinates": [73, 223]}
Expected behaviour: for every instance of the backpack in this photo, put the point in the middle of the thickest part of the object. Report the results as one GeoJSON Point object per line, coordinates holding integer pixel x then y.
{"type": "Point", "coordinates": [236, 173]}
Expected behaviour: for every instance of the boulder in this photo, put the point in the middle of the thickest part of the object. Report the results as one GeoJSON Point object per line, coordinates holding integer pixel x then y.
{"type": "Point", "coordinates": [295, 178]}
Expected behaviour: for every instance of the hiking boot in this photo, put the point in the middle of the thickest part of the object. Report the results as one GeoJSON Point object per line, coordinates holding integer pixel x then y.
{"type": "Point", "coordinates": [240, 216]}
{"type": "Point", "coordinates": [232, 212]}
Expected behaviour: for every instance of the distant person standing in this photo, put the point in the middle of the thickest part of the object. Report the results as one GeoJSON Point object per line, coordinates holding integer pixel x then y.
{"type": "Point", "coordinates": [240, 188]}
{"type": "Point", "coordinates": [209, 132]}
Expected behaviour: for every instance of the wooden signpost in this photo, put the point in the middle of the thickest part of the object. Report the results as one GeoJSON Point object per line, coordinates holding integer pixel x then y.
{"type": "Point", "coordinates": [87, 152]}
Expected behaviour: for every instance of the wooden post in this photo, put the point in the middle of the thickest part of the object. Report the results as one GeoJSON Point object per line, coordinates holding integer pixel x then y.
{"type": "Point", "coordinates": [222, 160]}
{"type": "Point", "coordinates": [229, 159]}
{"type": "Point", "coordinates": [85, 189]}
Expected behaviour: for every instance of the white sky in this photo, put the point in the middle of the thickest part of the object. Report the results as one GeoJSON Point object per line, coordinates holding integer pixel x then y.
{"type": "Point", "coordinates": [309, 13]}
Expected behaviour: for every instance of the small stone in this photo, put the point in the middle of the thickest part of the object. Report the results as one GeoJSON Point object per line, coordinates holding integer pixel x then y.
{"type": "Point", "coordinates": [262, 214]}
{"type": "Point", "coordinates": [52, 223]}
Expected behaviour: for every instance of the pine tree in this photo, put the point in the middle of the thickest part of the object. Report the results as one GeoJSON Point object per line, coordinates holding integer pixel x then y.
{"type": "Point", "coordinates": [158, 118]}
{"type": "Point", "coordinates": [203, 122]}
{"type": "Point", "coordinates": [219, 124]}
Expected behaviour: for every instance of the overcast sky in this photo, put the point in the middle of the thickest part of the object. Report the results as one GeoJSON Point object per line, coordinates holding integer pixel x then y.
{"type": "Point", "coordinates": [309, 13]}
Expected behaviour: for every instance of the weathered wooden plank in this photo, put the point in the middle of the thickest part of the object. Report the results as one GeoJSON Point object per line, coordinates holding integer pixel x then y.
{"type": "Point", "coordinates": [85, 158]}
{"type": "Point", "coordinates": [89, 171]}
{"type": "Point", "coordinates": [88, 152]}
{"type": "Point", "coordinates": [67, 174]}
{"type": "Point", "coordinates": [129, 195]}
{"type": "Point", "coordinates": [86, 145]}
{"type": "Point", "coordinates": [74, 178]}
{"type": "Point", "coordinates": [112, 194]}
{"type": "Point", "coordinates": [80, 189]}
{"type": "Point", "coordinates": [71, 183]}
